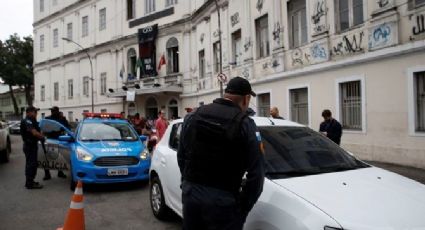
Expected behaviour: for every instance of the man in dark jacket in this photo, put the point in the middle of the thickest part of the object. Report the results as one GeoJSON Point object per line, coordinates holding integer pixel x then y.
{"type": "Point", "coordinates": [331, 127]}
{"type": "Point", "coordinates": [56, 116]}
{"type": "Point", "coordinates": [219, 144]}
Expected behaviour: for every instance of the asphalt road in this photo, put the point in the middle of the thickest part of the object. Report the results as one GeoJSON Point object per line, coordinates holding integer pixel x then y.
{"type": "Point", "coordinates": [123, 206]}
{"type": "Point", "coordinates": [118, 206]}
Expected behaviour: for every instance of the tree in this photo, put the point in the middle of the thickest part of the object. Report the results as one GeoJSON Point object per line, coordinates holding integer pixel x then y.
{"type": "Point", "coordinates": [16, 60]}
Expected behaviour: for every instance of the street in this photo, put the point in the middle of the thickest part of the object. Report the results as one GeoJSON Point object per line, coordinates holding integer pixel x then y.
{"type": "Point", "coordinates": [123, 206]}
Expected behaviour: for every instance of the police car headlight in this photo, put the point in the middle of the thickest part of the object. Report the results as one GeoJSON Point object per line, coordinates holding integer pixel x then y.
{"type": "Point", "coordinates": [144, 154]}
{"type": "Point", "coordinates": [83, 155]}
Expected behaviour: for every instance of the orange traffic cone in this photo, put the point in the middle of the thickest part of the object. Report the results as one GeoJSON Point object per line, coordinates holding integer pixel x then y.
{"type": "Point", "coordinates": [75, 218]}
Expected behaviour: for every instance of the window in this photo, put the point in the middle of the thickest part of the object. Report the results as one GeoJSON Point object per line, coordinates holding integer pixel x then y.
{"type": "Point", "coordinates": [130, 9]}
{"type": "Point", "coordinates": [55, 37]}
{"type": "Point", "coordinates": [131, 61]}
{"type": "Point", "coordinates": [201, 64]}
{"type": "Point", "coordinates": [85, 26]}
{"type": "Point", "coordinates": [102, 83]}
{"type": "Point", "coordinates": [149, 6]}
{"type": "Point", "coordinates": [170, 2]}
{"type": "Point", "coordinates": [298, 22]}
{"type": "Point", "coordinates": [175, 136]}
{"type": "Point", "coordinates": [216, 53]}
{"type": "Point", "coordinates": [70, 116]}
{"type": "Point", "coordinates": [42, 93]}
{"type": "Point", "coordinates": [419, 2]}
{"type": "Point", "coordinates": [237, 47]}
{"type": "Point", "coordinates": [262, 30]}
{"type": "Point", "coordinates": [173, 109]}
{"type": "Point", "coordinates": [299, 105]}
{"type": "Point", "coordinates": [102, 19]}
{"type": "Point", "coordinates": [351, 105]}
{"type": "Point", "coordinates": [350, 13]}
{"type": "Point", "coordinates": [69, 31]}
{"type": "Point", "coordinates": [263, 103]}
{"type": "Point", "coordinates": [172, 55]}
{"type": "Point", "coordinates": [41, 5]}
{"type": "Point", "coordinates": [42, 43]}
{"type": "Point", "coordinates": [56, 91]}
{"type": "Point", "coordinates": [86, 86]}
{"type": "Point", "coordinates": [419, 91]}
{"type": "Point", "coordinates": [70, 88]}
{"type": "Point", "coordinates": [103, 110]}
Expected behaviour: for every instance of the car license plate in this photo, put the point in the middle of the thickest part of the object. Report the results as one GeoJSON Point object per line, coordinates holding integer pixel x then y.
{"type": "Point", "coordinates": [118, 172]}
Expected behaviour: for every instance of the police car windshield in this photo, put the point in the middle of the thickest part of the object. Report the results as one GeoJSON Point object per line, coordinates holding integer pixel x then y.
{"type": "Point", "coordinates": [300, 151]}
{"type": "Point", "coordinates": [106, 132]}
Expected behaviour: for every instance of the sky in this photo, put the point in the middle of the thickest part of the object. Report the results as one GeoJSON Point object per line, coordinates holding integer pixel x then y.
{"type": "Point", "coordinates": [16, 16]}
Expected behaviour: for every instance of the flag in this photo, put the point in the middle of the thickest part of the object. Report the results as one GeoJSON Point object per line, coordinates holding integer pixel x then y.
{"type": "Point", "coordinates": [139, 65]}
{"type": "Point", "coordinates": [122, 70]}
{"type": "Point", "coordinates": [161, 62]}
{"type": "Point", "coordinates": [131, 95]}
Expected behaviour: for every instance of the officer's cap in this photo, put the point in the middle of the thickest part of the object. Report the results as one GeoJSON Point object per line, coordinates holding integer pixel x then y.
{"type": "Point", "coordinates": [54, 109]}
{"type": "Point", "coordinates": [239, 86]}
{"type": "Point", "coordinates": [31, 109]}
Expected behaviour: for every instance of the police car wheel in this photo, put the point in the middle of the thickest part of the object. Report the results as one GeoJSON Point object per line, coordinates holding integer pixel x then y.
{"type": "Point", "coordinates": [158, 206]}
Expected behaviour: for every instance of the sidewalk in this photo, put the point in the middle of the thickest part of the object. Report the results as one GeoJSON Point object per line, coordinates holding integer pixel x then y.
{"type": "Point", "coordinates": [410, 172]}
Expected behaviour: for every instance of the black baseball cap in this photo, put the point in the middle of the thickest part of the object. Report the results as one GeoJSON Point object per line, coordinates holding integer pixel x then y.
{"type": "Point", "coordinates": [239, 86]}
{"type": "Point", "coordinates": [54, 108]}
{"type": "Point", "coordinates": [31, 109]}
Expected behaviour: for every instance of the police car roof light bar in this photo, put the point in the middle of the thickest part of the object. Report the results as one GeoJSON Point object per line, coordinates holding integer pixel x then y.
{"type": "Point", "coordinates": [102, 115]}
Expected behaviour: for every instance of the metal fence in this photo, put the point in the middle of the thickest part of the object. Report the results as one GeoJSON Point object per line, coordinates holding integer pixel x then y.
{"type": "Point", "coordinates": [351, 105]}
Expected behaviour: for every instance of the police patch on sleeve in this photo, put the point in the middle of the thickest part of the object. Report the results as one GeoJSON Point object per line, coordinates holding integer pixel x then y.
{"type": "Point", "coordinates": [257, 134]}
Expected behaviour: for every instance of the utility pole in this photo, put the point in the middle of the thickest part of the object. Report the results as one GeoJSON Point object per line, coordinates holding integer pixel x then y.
{"type": "Point", "coordinates": [220, 51]}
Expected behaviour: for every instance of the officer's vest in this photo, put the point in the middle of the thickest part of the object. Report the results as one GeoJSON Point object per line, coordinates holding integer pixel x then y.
{"type": "Point", "coordinates": [216, 157]}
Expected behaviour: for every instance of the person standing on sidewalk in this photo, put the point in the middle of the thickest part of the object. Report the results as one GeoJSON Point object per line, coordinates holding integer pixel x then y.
{"type": "Point", "coordinates": [161, 124]}
{"type": "Point", "coordinates": [331, 127]}
{"type": "Point", "coordinates": [219, 143]}
{"type": "Point", "coordinates": [56, 116]}
{"type": "Point", "coordinates": [30, 133]}
{"type": "Point", "coordinates": [274, 113]}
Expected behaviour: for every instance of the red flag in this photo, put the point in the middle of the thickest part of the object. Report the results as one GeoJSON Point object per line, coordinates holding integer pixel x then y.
{"type": "Point", "coordinates": [161, 62]}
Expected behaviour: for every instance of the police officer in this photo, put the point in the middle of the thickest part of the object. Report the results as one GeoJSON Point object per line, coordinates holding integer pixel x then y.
{"type": "Point", "coordinates": [56, 116]}
{"type": "Point", "coordinates": [30, 132]}
{"type": "Point", "coordinates": [220, 144]}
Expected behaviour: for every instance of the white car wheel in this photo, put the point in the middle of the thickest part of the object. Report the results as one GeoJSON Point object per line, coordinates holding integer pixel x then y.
{"type": "Point", "coordinates": [159, 208]}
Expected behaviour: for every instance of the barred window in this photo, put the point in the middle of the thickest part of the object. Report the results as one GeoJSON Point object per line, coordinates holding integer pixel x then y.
{"type": "Point", "coordinates": [85, 26]}
{"type": "Point", "coordinates": [102, 84]}
{"type": "Point", "coordinates": [86, 86]}
{"type": "Point", "coordinates": [70, 88]}
{"type": "Point", "coordinates": [42, 93]}
{"type": "Point", "coordinates": [216, 54]}
{"type": "Point", "coordinates": [263, 105]}
{"type": "Point", "coordinates": [102, 19]}
{"type": "Point", "coordinates": [42, 43]}
{"type": "Point", "coordinates": [69, 30]}
{"type": "Point", "coordinates": [419, 81]}
{"type": "Point", "coordinates": [351, 105]}
{"type": "Point", "coordinates": [56, 91]}
{"type": "Point", "coordinates": [299, 105]}
{"type": "Point", "coordinates": [55, 37]}
{"type": "Point", "coordinates": [201, 64]}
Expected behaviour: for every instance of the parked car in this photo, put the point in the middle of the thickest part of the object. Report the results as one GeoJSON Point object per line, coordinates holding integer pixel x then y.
{"type": "Point", "coordinates": [15, 128]}
{"type": "Point", "coordinates": [5, 144]}
{"type": "Point", "coordinates": [104, 149]}
{"type": "Point", "coordinates": [311, 183]}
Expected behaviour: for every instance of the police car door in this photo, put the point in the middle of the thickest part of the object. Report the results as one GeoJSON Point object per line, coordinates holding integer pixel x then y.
{"type": "Point", "coordinates": [54, 153]}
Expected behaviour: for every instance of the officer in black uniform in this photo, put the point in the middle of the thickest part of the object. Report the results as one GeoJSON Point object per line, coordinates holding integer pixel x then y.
{"type": "Point", "coordinates": [56, 116]}
{"type": "Point", "coordinates": [219, 144]}
{"type": "Point", "coordinates": [30, 132]}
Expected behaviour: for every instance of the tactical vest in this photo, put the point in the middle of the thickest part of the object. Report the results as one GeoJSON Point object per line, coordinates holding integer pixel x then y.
{"type": "Point", "coordinates": [216, 156]}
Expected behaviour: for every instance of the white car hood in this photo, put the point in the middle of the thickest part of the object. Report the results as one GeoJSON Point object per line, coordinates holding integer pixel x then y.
{"type": "Point", "coordinates": [364, 199]}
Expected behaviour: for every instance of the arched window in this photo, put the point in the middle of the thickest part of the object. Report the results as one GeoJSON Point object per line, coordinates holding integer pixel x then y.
{"type": "Point", "coordinates": [173, 109]}
{"type": "Point", "coordinates": [131, 109]}
{"type": "Point", "coordinates": [172, 55]}
{"type": "Point", "coordinates": [131, 63]}
{"type": "Point", "coordinates": [151, 108]}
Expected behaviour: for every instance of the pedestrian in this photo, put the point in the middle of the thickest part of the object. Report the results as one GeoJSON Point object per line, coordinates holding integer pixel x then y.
{"type": "Point", "coordinates": [274, 113]}
{"type": "Point", "coordinates": [161, 124]}
{"type": "Point", "coordinates": [331, 127]}
{"type": "Point", "coordinates": [56, 115]}
{"type": "Point", "coordinates": [219, 143]}
{"type": "Point", "coordinates": [30, 132]}
{"type": "Point", "coordinates": [139, 123]}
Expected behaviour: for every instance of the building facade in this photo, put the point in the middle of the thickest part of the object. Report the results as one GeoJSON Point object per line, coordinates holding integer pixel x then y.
{"type": "Point", "coordinates": [363, 60]}
{"type": "Point", "coordinates": [7, 111]}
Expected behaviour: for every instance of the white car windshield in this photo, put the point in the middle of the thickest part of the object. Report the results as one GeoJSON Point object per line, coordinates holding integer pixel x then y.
{"type": "Point", "coordinates": [300, 151]}
{"type": "Point", "coordinates": [107, 132]}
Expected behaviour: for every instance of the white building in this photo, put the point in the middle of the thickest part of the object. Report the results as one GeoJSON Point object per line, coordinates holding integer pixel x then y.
{"type": "Point", "coordinates": [363, 60]}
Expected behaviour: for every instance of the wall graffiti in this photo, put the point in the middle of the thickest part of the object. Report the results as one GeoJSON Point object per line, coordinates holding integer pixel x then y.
{"type": "Point", "coordinates": [318, 14]}
{"type": "Point", "coordinates": [380, 36]}
{"type": "Point", "coordinates": [383, 3]}
{"type": "Point", "coordinates": [318, 52]}
{"type": "Point", "coordinates": [248, 43]}
{"type": "Point", "coordinates": [419, 28]}
{"type": "Point", "coordinates": [349, 45]}
{"type": "Point", "coordinates": [298, 56]}
{"type": "Point", "coordinates": [201, 38]}
{"type": "Point", "coordinates": [216, 33]}
{"type": "Point", "coordinates": [276, 32]}
{"type": "Point", "coordinates": [234, 19]}
{"type": "Point", "coordinates": [245, 73]}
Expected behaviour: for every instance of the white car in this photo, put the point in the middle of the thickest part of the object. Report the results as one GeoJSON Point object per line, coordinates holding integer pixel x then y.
{"type": "Point", "coordinates": [311, 183]}
{"type": "Point", "coordinates": [5, 144]}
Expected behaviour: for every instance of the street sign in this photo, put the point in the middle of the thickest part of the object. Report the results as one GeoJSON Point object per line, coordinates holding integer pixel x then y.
{"type": "Point", "coordinates": [222, 77]}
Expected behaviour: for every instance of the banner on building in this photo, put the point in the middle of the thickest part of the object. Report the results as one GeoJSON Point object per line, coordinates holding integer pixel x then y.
{"type": "Point", "coordinates": [131, 95]}
{"type": "Point", "coordinates": [147, 37]}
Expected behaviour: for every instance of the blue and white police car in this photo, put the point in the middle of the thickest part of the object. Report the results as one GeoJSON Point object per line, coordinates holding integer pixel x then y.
{"type": "Point", "coordinates": [103, 149]}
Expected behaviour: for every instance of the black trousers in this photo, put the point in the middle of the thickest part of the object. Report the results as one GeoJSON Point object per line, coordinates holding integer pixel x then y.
{"type": "Point", "coordinates": [209, 208]}
{"type": "Point", "coordinates": [31, 162]}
